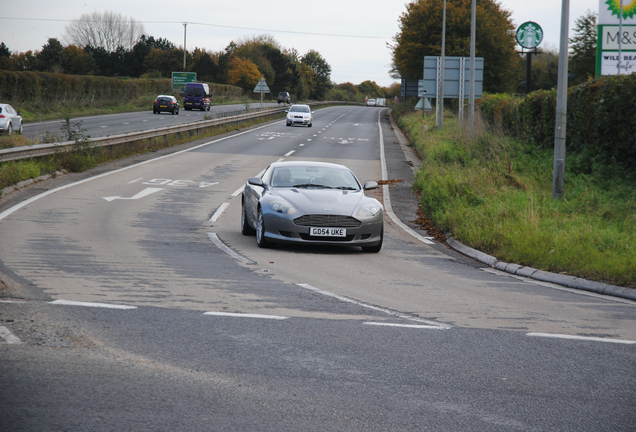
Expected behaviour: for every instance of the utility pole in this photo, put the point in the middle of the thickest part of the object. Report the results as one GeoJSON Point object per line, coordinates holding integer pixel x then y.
{"type": "Point", "coordinates": [620, 35]}
{"type": "Point", "coordinates": [440, 114]}
{"type": "Point", "coordinates": [185, 25]}
{"type": "Point", "coordinates": [558, 179]}
{"type": "Point", "coordinates": [471, 93]}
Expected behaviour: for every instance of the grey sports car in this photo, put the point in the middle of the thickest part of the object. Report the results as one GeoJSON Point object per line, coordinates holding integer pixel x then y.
{"type": "Point", "coordinates": [311, 203]}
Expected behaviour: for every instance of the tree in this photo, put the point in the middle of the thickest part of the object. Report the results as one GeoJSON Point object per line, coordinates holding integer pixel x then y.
{"type": "Point", "coordinates": [51, 58]}
{"type": "Point", "coordinates": [163, 62]}
{"type": "Point", "coordinates": [421, 35]}
{"type": "Point", "coordinates": [243, 73]}
{"type": "Point", "coordinates": [107, 30]}
{"type": "Point", "coordinates": [371, 89]}
{"type": "Point", "coordinates": [582, 63]}
{"type": "Point", "coordinates": [204, 65]}
{"type": "Point", "coordinates": [78, 61]}
{"type": "Point", "coordinates": [5, 57]}
{"type": "Point", "coordinates": [322, 74]}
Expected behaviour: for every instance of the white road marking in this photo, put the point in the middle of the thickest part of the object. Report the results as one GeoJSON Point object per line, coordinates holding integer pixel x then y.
{"type": "Point", "coordinates": [17, 207]}
{"type": "Point", "coordinates": [9, 337]}
{"type": "Point", "coordinates": [143, 193]}
{"type": "Point", "coordinates": [376, 308]}
{"type": "Point", "coordinates": [13, 301]}
{"type": "Point", "coordinates": [238, 191]}
{"type": "Point", "coordinates": [583, 338]}
{"type": "Point", "coordinates": [404, 325]}
{"type": "Point", "coordinates": [219, 212]}
{"type": "Point", "coordinates": [217, 241]}
{"type": "Point", "coordinates": [244, 315]}
{"type": "Point", "coordinates": [103, 127]}
{"type": "Point", "coordinates": [289, 153]}
{"type": "Point", "coordinates": [88, 304]}
{"type": "Point", "coordinates": [136, 180]}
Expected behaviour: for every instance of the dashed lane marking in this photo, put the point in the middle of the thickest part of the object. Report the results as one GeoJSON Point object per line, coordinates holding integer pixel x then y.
{"type": "Point", "coordinates": [88, 304]}
{"type": "Point", "coordinates": [9, 337]}
{"type": "Point", "coordinates": [245, 315]}
{"type": "Point", "coordinates": [581, 338]}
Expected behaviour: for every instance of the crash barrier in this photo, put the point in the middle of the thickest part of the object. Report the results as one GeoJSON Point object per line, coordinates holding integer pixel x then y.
{"type": "Point", "coordinates": [180, 131]}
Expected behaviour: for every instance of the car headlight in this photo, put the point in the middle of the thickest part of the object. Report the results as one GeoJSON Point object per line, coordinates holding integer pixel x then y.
{"type": "Point", "coordinates": [369, 210]}
{"type": "Point", "coordinates": [282, 207]}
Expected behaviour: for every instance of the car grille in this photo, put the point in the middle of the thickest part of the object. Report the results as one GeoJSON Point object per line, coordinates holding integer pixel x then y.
{"type": "Point", "coordinates": [333, 221]}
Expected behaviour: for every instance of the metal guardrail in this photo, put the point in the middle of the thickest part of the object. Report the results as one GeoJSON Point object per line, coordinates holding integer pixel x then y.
{"type": "Point", "coordinates": [230, 117]}
{"type": "Point", "coordinates": [223, 118]}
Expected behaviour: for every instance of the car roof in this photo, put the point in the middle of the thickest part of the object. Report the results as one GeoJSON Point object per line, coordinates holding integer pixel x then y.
{"type": "Point", "coordinates": [170, 96]}
{"type": "Point", "coordinates": [300, 105]}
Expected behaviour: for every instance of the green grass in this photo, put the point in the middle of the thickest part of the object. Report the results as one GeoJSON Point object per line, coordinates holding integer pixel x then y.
{"type": "Point", "coordinates": [495, 195]}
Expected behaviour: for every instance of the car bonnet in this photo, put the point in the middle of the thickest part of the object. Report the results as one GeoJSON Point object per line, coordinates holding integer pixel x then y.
{"type": "Point", "coordinates": [321, 201]}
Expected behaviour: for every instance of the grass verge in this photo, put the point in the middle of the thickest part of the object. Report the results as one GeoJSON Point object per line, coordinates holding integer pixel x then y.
{"type": "Point", "coordinates": [494, 194]}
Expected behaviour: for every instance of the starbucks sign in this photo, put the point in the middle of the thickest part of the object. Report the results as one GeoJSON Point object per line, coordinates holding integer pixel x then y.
{"type": "Point", "coordinates": [529, 35]}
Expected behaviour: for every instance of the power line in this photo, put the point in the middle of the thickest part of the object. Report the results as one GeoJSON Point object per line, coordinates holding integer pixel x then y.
{"type": "Point", "coordinates": [208, 25]}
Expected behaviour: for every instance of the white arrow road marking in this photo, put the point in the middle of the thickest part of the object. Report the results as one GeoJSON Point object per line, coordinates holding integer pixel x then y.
{"type": "Point", "coordinates": [141, 194]}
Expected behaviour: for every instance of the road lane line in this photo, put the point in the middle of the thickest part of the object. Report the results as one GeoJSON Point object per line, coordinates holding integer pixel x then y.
{"type": "Point", "coordinates": [88, 304]}
{"type": "Point", "coordinates": [9, 337]}
{"type": "Point", "coordinates": [219, 212]}
{"type": "Point", "coordinates": [225, 248]}
{"type": "Point", "coordinates": [403, 325]}
{"type": "Point", "coordinates": [290, 153]}
{"type": "Point", "coordinates": [245, 315]}
{"type": "Point", "coordinates": [582, 338]}
{"type": "Point", "coordinates": [375, 308]}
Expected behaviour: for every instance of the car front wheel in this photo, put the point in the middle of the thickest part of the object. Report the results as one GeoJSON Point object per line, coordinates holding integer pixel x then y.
{"type": "Point", "coordinates": [246, 229]}
{"type": "Point", "coordinates": [9, 129]}
{"type": "Point", "coordinates": [261, 241]}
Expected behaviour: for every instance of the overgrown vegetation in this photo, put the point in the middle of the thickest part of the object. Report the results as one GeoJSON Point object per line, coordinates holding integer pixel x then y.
{"type": "Point", "coordinates": [494, 194]}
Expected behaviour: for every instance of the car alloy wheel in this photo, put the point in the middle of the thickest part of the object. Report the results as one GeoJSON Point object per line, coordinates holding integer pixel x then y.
{"type": "Point", "coordinates": [9, 129]}
{"type": "Point", "coordinates": [20, 130]}
{"type": "Point", "coordinates": [246, 229]}
{"type": "Point", "coordinates": [260, 231]}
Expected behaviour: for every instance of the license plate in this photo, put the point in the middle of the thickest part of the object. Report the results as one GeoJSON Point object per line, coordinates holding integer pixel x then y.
{"type": "Point", "coordinates": [163, 106]}
{"type": "Point", "coordinates": [328, 232]}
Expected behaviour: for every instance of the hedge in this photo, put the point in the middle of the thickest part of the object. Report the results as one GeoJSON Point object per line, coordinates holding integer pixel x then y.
{"type": "Point", "coordinates": [601, 120]}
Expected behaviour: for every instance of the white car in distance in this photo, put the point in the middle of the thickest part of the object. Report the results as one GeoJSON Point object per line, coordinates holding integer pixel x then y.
{"type": "Point", "coordinates": [299, 115]}
{"type": "Point", "coordinates": [371, 102]}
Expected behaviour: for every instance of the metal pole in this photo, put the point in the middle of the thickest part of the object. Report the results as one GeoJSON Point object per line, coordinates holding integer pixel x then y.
{"type": "Point", "coordinates": [440, 114]}
{"type": "Point", "coordinates": [528, 72]}
{"type": "Point", "coordinates": [471, 91]}
{"type": "Point", "coordinates": [558, 179]}
{"type": "Point", "coordinates": [620, 35]}
{"type": "Point", "coordinates": [185, 24]}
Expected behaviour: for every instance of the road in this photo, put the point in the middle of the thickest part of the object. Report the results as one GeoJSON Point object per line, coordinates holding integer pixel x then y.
{"type": "Point", "coordinates": [114, 124]}
{"type": "Point", "coordinates": [133, 302]}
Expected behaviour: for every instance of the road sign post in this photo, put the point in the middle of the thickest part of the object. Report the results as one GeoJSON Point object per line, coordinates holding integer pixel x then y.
{"type": "Point", "coordinates": [261, 88]}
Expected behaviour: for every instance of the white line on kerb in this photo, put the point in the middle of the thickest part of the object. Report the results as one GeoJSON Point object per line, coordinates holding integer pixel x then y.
{"type": "Point", "coordinates": [9, 337]}
{"type": "Point", "coordinates": [217, 214]}
{"type": "Point", "coordinates": [88, 304]}
{"type": "Point", "coordinates": [244, 315]}
{"type": "Point", "coordinates": [376, 308]}
{"type": "Point", "coordinates": [583, 338]}
{"type": "Point", "coordinates": [217, 241]}
{"type": "Point", "coordinates": [387, 199]}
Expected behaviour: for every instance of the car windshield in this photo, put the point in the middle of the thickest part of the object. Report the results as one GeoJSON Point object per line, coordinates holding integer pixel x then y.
{"type": "Point", "coordinates": [302, 109]}
{"type": "Point", "coordinates": [314, 177]}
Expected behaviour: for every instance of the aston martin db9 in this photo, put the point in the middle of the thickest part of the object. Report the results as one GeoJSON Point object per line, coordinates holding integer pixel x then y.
{"type": "Point", "coordinates": [311, 203]}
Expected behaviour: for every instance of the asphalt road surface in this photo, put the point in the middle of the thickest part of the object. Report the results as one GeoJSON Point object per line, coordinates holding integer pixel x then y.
{"type": "Point", "coordinates": [114, 124]}
{"type": "Point", "coordinates": [133, 302]}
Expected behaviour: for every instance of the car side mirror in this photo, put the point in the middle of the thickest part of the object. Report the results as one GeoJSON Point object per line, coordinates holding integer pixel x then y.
{"type": "Point", "coordinates": [370, 185]}
{"type": "Point", "coordinates": [255, 181]}
{"type": "Point", "coordinates": [286, 111]}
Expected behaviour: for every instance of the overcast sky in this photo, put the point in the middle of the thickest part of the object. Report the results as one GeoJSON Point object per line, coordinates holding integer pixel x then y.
{"type": "Point", "coordinates": [351, 35]}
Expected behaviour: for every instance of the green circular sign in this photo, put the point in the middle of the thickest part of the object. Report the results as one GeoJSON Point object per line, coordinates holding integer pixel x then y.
{"type": "Point", "coordinates": [529, 35]}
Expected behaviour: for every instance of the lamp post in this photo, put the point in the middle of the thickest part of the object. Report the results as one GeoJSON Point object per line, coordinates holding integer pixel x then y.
{"type": "Point", "coordinates": [185, 25]}
{"type": "Point", "coordinates": [440, 114]}
{"type": "Point", "coordinates": [558, 179]}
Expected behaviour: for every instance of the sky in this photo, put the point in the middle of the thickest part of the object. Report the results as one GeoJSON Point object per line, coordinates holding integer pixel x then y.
{"type": "Point", "coordinates": [351, 35]}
